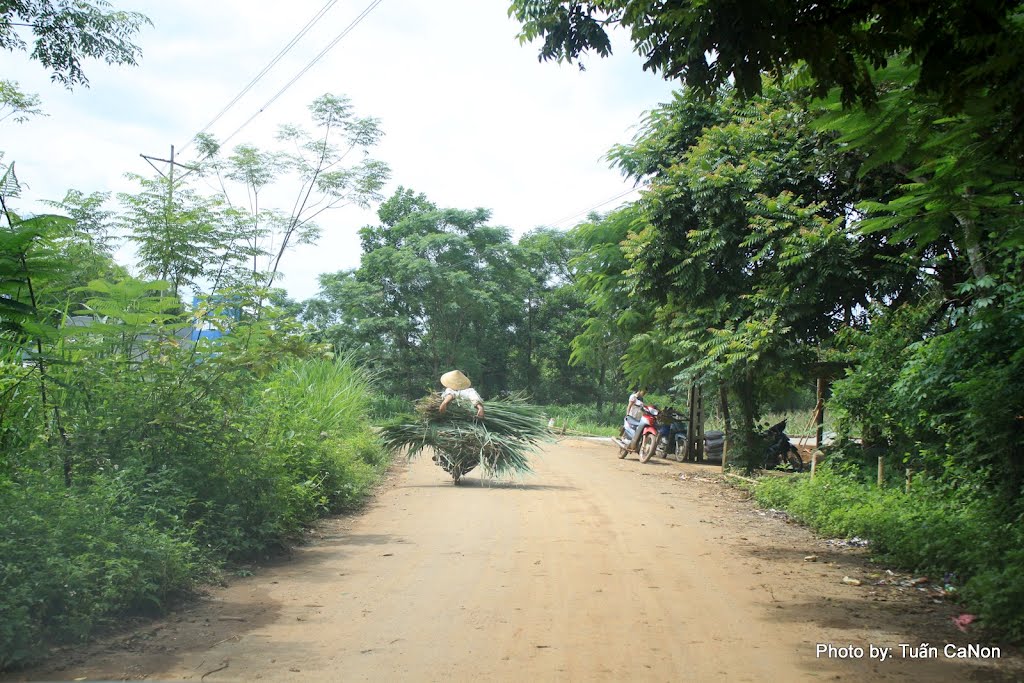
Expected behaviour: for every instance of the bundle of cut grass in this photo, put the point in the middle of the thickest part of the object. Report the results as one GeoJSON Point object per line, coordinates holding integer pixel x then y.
{"type": "Point", "coordinates": [498, 443]}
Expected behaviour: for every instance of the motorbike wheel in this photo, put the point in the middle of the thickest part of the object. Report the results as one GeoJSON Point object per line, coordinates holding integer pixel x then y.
{"type": "Point", "coordinates": [647, 445]}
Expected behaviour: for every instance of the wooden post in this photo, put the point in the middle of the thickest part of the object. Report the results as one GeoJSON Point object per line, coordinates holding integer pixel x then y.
{"type": "Point", "coordinates": [723, 396]}
{"type": "Point", "coordinates": [814, 463]}
{"type": "Point", "coordinates": [691, 404]}
{"type": "Point", "coordinates": [910, 474]}
{"type": "Point", "coordinates": [819, 414]}
{"type": "Point", "coordinates": [881, 469]}
{"type": "Point", "coordinates": [698, 430]}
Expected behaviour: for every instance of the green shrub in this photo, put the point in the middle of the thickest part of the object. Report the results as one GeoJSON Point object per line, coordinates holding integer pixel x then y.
{"type": "Point", "coordinates": [937, 529]}
{"type": "Point", "coordinates": [70, 559]}
{"type": "Point", "coordinates": [242, 462]}
{"type": "Point", "coordinates": [775, 492]}
{"type": "Point", "coordinates": [176, 466]}
{"type": "Point", "coordinates": [997, 590]}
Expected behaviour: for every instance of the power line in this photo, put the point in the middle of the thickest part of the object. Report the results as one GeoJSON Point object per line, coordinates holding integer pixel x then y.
{"type": "Point", "coordinates": [292, 43]}
{"type": "Point", "coordinates": [348, 29]}
{"type": "Point", "coordinates": [595, 207]}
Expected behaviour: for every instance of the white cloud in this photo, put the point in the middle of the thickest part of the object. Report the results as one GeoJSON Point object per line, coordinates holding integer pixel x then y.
{"type": "Point", "coordinates": [471, 118]}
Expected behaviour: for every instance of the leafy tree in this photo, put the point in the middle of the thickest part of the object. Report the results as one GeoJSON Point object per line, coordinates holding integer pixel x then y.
{"type": "Point", "coordinates": [17, 104]}
{"type": "Point", "coordinates": [959, 183]}
{"type": "Point", "coordinates": [65, 32]}
{"type": "Point", "coordinates": [436, 289]}
{"type": "Point", "coordinates": [550, 315]}
{"type": "Point", "coordinates": [320, 163]}
{"type": "Point", "coordinates": [439, 288]}
{"type": "Point", "coordinates": [740, 257]}
{"type": "Point", "coordinates": [560, 314]}
{"type": "Point", "coordinates": [342, 314]}
{"type": "Point", "coordinates": [963, 48]}
{"type": "Point", "coordinates": [181, 236]}
{"type": "Point", "coordinates": [613, 318]}
{"type": "Point", "coordinates": [938, 84]}
{"type": "Point", "coordinates": [92, 221]}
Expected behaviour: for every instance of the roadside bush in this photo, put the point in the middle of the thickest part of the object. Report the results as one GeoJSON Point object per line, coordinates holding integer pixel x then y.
{"type": "Point", "coordinates": [998, 589]}
{"type": "Point", "coordinates": [384, 408]}
{"type": "Point", "coordinates": [313, 417]}
{"type": "Point", "coordinates": [71, 558]}
{"type": "Point", "coordinates": [932, 530]}
{"type": "Point", "coordinates": [587, 418]}
{"type": "Point", "coordinates": [175, 466]}
{"type": "Point", "coordinates": [243, 463]}
{"type": "Point", "coordinates": [951, 398]}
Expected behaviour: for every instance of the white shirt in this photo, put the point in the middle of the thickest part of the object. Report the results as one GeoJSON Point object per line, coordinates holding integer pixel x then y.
{"type": "Point", "coordinates": [636, 406]}
{"type": "Point", "coordinates": [469, 394]}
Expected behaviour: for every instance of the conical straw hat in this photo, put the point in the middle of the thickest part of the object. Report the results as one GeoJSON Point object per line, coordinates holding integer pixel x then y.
{"type": "Point", "coordinates": [455, 380]}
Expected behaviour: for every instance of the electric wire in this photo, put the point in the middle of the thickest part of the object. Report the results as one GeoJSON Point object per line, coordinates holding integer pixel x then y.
{"type": "Point", "coordinates": [558, 223]}
{"type": "Point", "coordinates": [348, 29]}
{"type": "Point", "coordinates": [285, 50]}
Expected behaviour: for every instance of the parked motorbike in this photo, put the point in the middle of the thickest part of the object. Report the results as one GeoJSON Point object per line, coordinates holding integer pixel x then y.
{"type": "Point", "coordinates": [780, 452]}
{"type": "Point", "coordinates": [648, 434]}
{"type": "Point", "coordinates": [671, 433]}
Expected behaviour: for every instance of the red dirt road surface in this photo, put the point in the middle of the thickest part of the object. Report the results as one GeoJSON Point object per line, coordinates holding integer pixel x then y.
{"type": "Point", "coordinates": [591, 569]}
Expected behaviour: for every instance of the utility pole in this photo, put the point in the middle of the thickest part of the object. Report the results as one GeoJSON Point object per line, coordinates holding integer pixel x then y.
{"type": "Point", "coordinates": [172, 162]}
{"type": "Point", "coordinates": [169, 177]}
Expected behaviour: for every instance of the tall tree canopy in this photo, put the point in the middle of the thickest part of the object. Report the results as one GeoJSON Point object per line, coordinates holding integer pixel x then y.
{"type": "Point", "coordinates": [712, 42]}
{"type": "Point", "coordinates": [438, 289]}
{"type": "Point", "coordinates": [740, 261]}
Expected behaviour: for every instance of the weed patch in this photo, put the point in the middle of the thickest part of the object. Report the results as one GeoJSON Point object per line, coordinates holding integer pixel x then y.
{"type": "Point", "coordinates": [928, 530]}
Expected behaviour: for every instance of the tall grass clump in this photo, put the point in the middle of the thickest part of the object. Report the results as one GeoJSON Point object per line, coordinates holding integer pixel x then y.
{"type": "Point", "coordinates": [314, 415]}
{"type": "Point", "coordinates": [587, 419]}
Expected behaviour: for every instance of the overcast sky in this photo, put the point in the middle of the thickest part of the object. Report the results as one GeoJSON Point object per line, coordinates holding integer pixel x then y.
{"type": "Point", "coordinates": [470, 117]}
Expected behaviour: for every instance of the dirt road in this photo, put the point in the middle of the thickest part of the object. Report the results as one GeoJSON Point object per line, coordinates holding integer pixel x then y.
{"type": "Point", "coordinates": [591, 569]}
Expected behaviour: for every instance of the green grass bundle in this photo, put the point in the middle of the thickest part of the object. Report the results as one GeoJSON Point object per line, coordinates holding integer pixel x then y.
{"type": "Point", "coordinates": [498, 443]}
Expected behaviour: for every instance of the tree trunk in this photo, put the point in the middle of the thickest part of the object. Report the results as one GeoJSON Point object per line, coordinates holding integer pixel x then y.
{"type": "Point", "coordinates": [749, 454]}
{"type": "Point", "coordinates": [972, 245]}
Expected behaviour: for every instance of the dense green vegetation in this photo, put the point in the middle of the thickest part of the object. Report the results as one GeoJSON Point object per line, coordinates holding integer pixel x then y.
{"type": "Point", "coordinates": [136, 460]}
{"type": "Point", "coordinates": [839, 196]}
{"type": "Point", "coordinates": [440, 288]}
{"type": "Point", "coordinates": [932, 530]}
{"type": "Point", "coordinates": [139, 455]}
{"type": "Point", "coordinates": [842, 201]}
